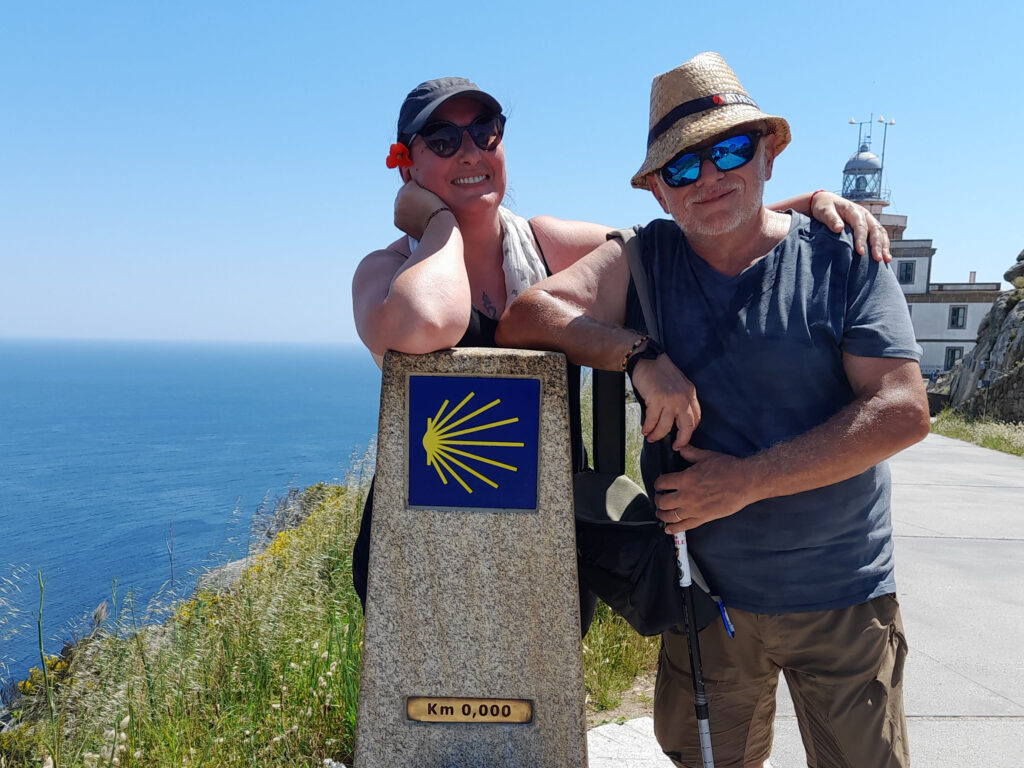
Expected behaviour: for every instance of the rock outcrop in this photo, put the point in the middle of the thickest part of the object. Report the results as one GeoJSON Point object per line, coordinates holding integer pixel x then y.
{"type": "Point", "coordinates": [1016, 271]}
{"type": "Point", "coordinates": [990, 380]}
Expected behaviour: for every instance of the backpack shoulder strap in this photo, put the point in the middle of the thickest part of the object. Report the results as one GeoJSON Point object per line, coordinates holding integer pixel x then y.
{"type": "Point", "coordinates": [631, 246]}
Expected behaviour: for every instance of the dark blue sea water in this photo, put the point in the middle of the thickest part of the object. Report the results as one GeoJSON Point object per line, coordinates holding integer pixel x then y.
{"type": "Point", "coordinates": [113, 452]}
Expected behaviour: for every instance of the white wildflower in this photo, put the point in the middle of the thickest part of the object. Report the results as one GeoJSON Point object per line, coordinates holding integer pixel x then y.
{"type": "Point", "coordinates": [124, 722]}
{"type": "Point", "coordinates": [324, 656]}
{"type": "Point", "coordinates": [316, 646]}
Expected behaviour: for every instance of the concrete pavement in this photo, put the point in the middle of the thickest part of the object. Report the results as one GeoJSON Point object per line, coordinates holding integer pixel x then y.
{"type": "Point", "coordinates": [958, 517]}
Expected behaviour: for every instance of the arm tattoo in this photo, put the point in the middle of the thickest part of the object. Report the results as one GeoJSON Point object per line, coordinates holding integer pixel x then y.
{"type": "Point", "coordinates": [489, 307]}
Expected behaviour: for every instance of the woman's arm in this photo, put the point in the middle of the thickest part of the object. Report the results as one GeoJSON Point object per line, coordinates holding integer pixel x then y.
{"type": "Point", "coordinates": [420, 302]}
{"type": "Point", "coordinates": [836, 212]}
{"type": "Point", "coordinates": [564, 242]}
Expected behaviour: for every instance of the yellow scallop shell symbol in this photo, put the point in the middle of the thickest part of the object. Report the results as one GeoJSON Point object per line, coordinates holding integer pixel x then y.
{"type": "Point", "coordinates": [439, 441]}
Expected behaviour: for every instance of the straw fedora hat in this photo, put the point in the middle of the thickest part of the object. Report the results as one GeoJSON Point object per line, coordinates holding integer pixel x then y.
{"type": "Point", "coordinates": [692, 103]}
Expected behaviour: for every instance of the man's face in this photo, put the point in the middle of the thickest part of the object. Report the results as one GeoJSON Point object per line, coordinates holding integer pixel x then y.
{"type": "Point", "coordinates": [718, 202]}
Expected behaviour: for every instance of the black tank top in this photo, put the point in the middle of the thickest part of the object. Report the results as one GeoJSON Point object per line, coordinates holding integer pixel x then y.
{"type": "Point", "coordinates": [480, 331]}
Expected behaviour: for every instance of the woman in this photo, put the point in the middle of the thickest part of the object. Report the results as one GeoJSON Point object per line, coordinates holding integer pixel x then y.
{"type": "Point", "coordinates": [463, 257]}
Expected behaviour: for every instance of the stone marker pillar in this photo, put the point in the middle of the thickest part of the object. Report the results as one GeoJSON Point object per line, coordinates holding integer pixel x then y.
{"type": "Point", "coordinates": [472, 642]}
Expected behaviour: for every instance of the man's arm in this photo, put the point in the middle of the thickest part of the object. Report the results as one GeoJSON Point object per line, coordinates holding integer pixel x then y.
{"type": "Point", "coordinates": [580, 311]}
{"type": "Point", "coordinates": [890, 412]}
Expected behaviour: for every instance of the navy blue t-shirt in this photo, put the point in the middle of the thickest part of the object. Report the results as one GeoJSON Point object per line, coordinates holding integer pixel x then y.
{"type": "Point", "coordinates": [764, 349]}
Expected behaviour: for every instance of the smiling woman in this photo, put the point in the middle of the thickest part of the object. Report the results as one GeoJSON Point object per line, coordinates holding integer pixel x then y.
{"type": "Point", "coordinates": [463, 257]}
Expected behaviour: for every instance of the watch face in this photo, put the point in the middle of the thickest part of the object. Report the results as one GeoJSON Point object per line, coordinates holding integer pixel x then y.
{"type": "Point", "coordinates": [649, 352]}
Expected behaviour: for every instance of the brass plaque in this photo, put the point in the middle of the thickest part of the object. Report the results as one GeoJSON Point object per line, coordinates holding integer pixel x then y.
{"type": "Point", "coordinates": [457, 709]}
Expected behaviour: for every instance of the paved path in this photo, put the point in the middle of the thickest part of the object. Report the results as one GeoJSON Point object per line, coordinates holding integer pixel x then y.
{"type": "Point", "coordinates": [958, 516]}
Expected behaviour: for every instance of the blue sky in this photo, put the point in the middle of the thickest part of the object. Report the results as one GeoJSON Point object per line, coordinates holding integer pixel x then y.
{"type": "Point", "coordinates": [215, 170]}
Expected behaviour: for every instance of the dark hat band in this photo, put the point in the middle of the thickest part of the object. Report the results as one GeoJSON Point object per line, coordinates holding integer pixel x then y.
{"type": "Point", "coordinates": [696, 105]}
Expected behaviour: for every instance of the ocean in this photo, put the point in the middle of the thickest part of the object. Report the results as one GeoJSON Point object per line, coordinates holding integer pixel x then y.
{"type": "Point", "coordinates": [123, 460]}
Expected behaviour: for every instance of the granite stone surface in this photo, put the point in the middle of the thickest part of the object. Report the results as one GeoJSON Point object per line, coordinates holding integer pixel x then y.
{"type": "Point", "coordinates": [470, 602]}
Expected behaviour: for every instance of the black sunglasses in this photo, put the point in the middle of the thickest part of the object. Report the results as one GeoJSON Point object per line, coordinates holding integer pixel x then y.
{"type": "Point", "coordinates": [444, 139]}
{"type": "Point", "coordinates": [727, 155]}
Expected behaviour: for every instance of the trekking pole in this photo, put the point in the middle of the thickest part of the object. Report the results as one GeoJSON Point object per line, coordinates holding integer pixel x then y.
{"type": "Point", "coordinates": [700, 699]}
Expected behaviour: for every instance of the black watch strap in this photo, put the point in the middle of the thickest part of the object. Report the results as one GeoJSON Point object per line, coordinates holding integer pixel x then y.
{"type": "Point", "coordinates": [650, 351]}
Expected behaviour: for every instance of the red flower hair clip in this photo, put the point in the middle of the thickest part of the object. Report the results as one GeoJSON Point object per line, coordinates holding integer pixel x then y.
{"type": "Point", "coordinates": [399, 156]}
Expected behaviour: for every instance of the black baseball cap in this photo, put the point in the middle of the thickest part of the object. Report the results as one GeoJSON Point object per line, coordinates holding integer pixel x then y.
{"type": "Point", "coordinates": [422, 100]}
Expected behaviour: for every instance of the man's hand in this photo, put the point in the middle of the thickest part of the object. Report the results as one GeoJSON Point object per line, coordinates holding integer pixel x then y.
{"type": "Point", "coordinates": [717, 485]}
{"type": "Point", "coordinates": [836, 212]}
{"type": "Point", "coordinates": [413, 205]}
{"type": "Point", "coordinates": [670, 397]}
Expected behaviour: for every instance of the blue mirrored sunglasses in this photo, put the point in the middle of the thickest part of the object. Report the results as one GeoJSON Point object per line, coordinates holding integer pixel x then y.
{"type": "Point", "coordinates": [727, 155]}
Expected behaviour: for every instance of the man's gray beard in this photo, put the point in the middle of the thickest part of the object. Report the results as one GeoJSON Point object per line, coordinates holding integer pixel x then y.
{"type": "Point", "coordinates": [738, 217]}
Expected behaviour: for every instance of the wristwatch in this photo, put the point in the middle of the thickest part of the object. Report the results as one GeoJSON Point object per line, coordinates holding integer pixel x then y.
{"type": "Point", "coordinates": [650, 351]}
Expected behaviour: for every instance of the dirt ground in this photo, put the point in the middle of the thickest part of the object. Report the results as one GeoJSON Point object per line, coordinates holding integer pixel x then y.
{"type": "Point", "coordinates": [638, 701]}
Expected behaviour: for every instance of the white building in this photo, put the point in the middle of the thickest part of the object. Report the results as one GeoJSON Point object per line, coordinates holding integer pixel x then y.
{"type": "Point", "coordinates": [946, 316]}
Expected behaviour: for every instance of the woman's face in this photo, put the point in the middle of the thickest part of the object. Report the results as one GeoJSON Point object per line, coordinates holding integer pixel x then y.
{"type": "Point", "coordinates": [470, 180]}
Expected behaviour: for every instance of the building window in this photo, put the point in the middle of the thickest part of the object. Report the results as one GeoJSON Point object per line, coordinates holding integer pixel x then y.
{"type": "Point", "coordinates": [905, 272]}
{"type": "Point", "coordinates": [953, 356]}
{"type": "Point", "coordinates": [958, 316]}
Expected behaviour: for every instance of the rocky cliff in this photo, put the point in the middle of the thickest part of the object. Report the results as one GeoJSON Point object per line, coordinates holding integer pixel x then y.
{"type": "Point", "coordinates": [990, 380]}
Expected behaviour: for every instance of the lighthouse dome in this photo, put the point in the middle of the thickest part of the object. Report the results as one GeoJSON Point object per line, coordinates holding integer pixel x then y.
{"type": "Point", "coordinates": [864, 161]}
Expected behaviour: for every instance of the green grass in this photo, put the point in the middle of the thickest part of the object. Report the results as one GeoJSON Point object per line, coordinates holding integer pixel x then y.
{"type": "Point", "coordinates": [613, 656]}
{"type": "Point", "coordinates": [264, 675]}
{"type": "Point", "coordinates": [998, 435]}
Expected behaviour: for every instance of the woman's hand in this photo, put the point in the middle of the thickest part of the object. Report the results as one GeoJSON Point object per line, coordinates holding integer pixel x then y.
{"type": "Point", "coordinates": [835, 212]}
{"type": "Point", "coordinates": [413, 205]}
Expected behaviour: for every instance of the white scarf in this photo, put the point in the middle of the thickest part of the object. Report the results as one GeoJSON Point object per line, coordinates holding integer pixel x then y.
{"type": "Point", "coordinates": [522, 264]}
{"type": "Point", "coordinates": [520, 261]}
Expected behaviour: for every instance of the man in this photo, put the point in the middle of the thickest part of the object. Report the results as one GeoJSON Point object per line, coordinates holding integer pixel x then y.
{"type": "Point", "coordinates": [801, 378]}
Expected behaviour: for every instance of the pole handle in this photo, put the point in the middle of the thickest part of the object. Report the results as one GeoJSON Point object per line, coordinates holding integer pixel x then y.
{"type": "Point", "coordinates": [683, 560]}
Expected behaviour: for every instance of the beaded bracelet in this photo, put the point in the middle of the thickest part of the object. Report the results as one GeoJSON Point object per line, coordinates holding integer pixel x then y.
{"type": "Point", "coordinates": [631, 351]}
{"type": "Point", "coordinates": [434, 213]}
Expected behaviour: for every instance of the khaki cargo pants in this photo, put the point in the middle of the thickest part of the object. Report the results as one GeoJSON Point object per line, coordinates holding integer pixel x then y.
{"type": "Point", "coordinates": [844, 669]}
